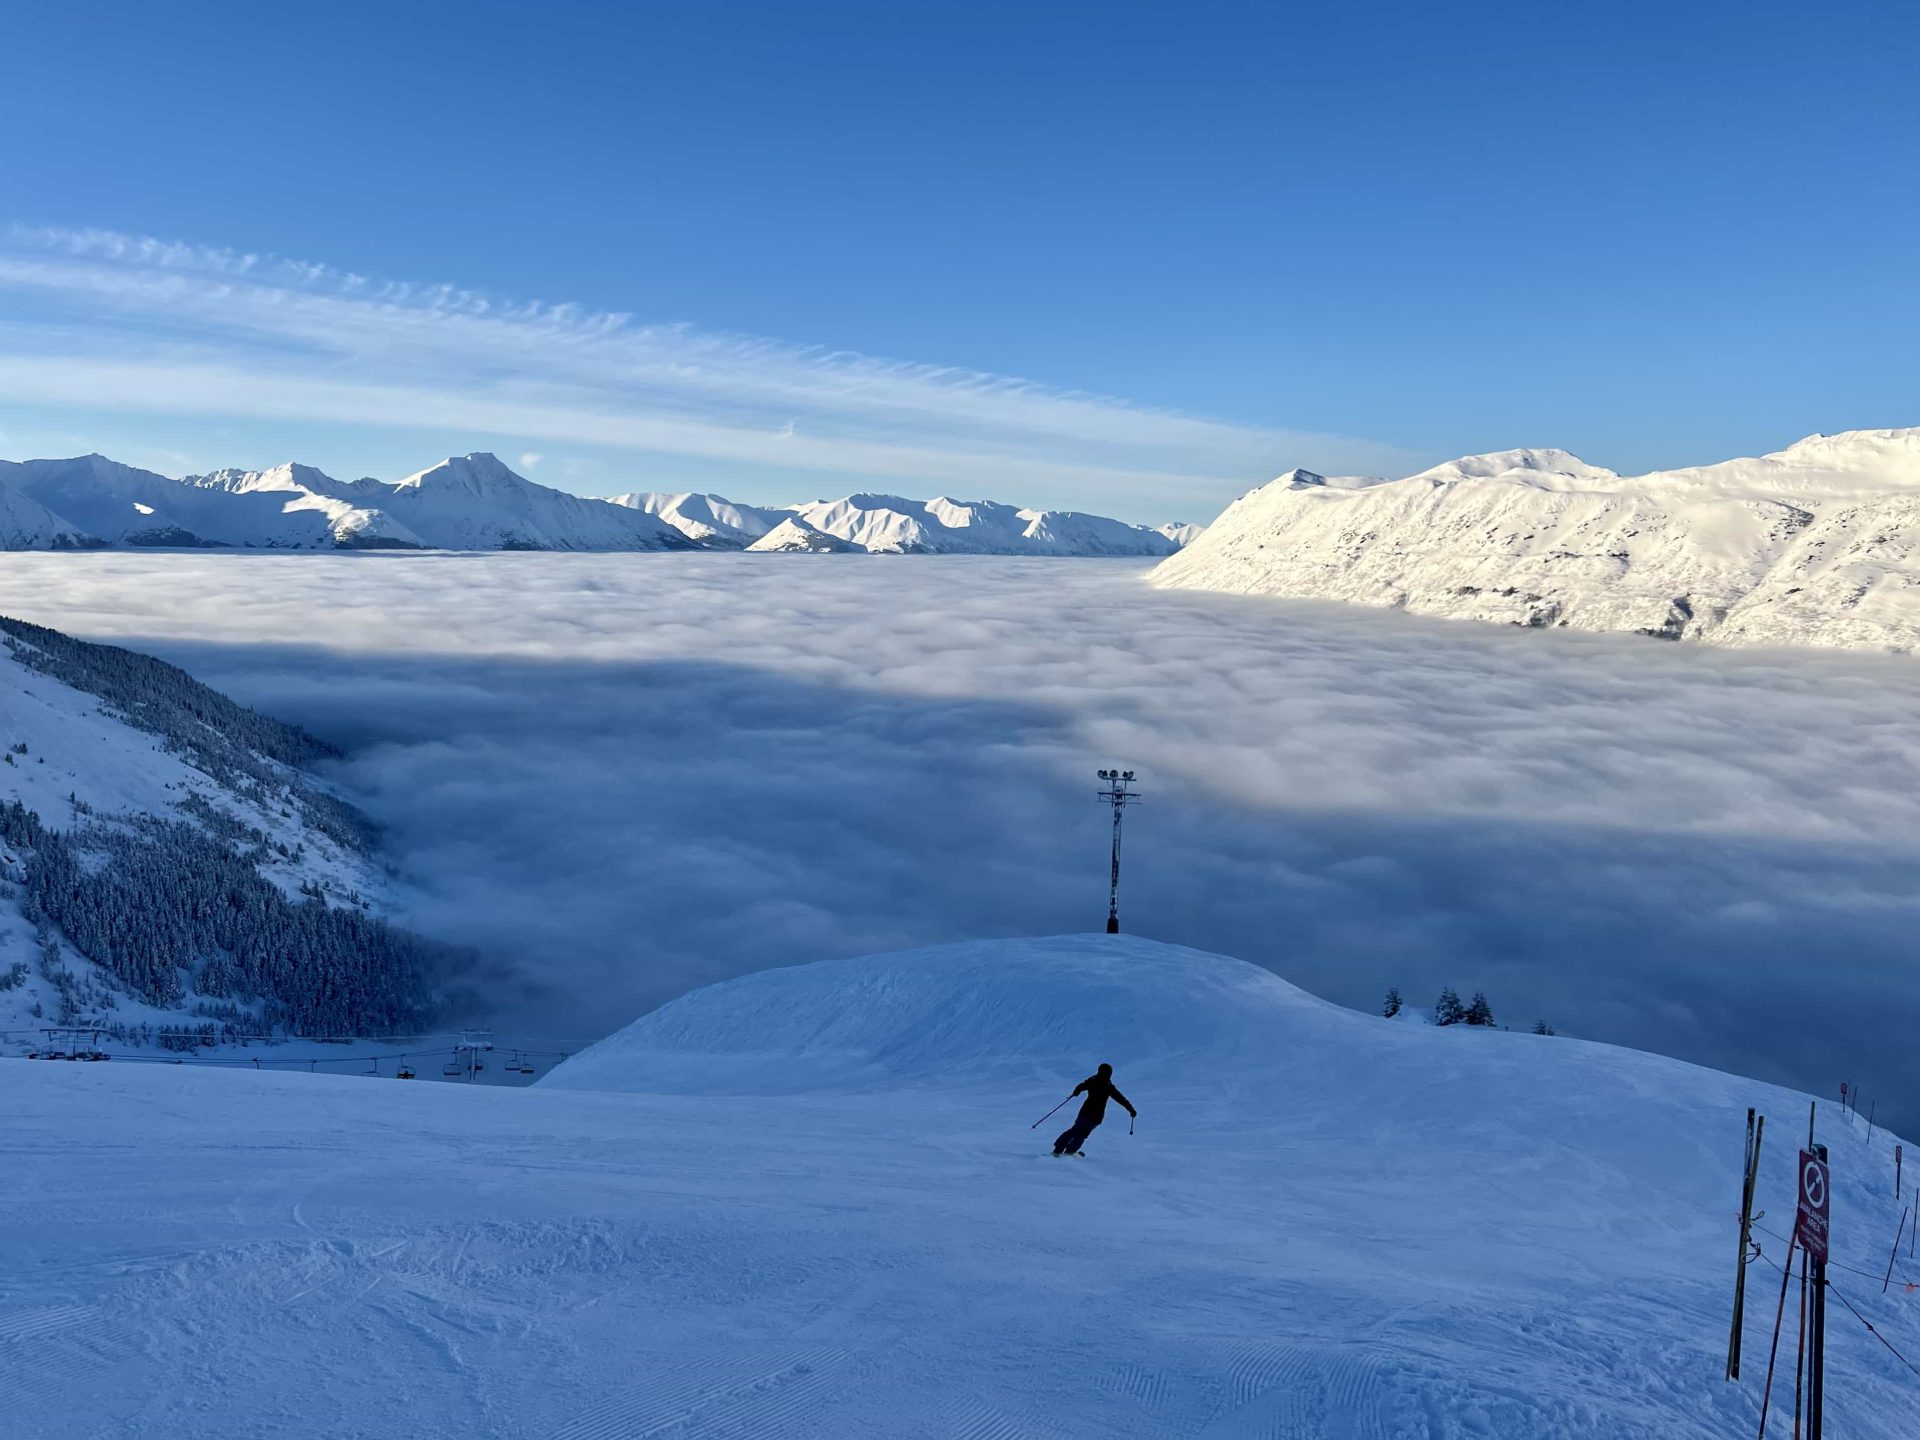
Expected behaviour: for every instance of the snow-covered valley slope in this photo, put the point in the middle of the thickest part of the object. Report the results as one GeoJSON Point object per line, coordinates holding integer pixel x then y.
{"type": "Point", "coordinates": [475, 502]}
{"type": "Point", "coordinates": [1812, 545]}
{"type": "Point", "coordinates": [809, 1203]}
{"type": "Point", "coordinates": [168, 865]}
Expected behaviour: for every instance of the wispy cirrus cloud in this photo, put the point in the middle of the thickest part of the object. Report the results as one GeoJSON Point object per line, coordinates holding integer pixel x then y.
{"type": "Point", "coordinates": [107, 319]}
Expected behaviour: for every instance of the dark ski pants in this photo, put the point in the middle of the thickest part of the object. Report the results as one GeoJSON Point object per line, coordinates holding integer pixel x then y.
{"type": "Point", "coordinates": [1075, 1135]}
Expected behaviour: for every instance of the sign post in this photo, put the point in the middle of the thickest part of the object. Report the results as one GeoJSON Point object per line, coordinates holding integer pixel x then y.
{"type": "Point", "coordinates": [1755, 1126]}
{"type": "Point", "coordinates": [1811, 1226]}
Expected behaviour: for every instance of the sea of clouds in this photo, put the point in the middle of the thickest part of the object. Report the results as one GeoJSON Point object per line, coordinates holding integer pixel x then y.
{"type": "Point", "coordinates": [623, 776]}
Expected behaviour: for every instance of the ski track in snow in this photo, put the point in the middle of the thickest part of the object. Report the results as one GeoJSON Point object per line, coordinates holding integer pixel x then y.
{"type": "Point", "coordinates": [983, 1422]}
{"type": "Point", "coordinates": [39, 1320]}
{"type": "Point", "coordinates": [749, 1395]}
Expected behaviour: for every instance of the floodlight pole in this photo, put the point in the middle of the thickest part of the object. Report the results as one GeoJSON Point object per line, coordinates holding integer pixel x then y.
{"type": "Point", "coordinates": [1119, 794]}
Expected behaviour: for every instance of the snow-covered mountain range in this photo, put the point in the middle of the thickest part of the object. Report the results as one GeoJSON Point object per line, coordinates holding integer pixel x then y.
{"type": "Point", "coordinates": [472, 502]}
{"type": "Point", "coordinates": [169, 866]}
{"type": "Point", "coordinates": [475, 502]}
{"type": "Point", "coordinates": [1816, 544]}
{"type": "Point", "coordinates": [892, 525]}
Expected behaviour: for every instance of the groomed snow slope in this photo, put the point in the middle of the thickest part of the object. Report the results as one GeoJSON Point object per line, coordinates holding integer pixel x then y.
{"type": "Point", "coordinates": [809, 1204]}
{"type": "Point", "coordinates": [1817, 544]}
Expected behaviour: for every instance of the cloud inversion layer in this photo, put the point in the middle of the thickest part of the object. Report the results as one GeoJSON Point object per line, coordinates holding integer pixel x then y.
{"type": "Point", "coordinates": [627, 775]}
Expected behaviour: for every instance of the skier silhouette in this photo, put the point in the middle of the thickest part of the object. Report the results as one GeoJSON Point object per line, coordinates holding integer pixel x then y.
{"type": "Point", "coordinates": [1099, 1088]}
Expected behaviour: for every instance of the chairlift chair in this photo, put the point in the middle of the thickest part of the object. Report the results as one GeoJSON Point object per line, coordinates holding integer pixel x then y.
{"type": "Point", "coordinates": [451, 1069]}
{"type": "Point", "coordinates": [405, 1071]}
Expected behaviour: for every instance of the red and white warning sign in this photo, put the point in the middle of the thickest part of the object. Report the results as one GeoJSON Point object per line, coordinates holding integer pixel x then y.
{"type": "Point", "coordinates": [1810, 1225]}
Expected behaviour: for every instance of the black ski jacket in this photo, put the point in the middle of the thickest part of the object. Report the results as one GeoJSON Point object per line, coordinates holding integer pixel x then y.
{"type": "Point", "coordinates": [1098, 1091]}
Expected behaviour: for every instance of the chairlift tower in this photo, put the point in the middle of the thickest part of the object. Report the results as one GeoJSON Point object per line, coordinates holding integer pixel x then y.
{"type": "Point", "coordinates": [1119, 794]}
{"type": "Point", "coordinates": [469, 1054]}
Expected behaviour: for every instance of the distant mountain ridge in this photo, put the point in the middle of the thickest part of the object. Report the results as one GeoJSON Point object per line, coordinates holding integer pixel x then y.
{"type": "Point", "coordinates": [470, 502]}
{"type": "Point", "coordinates": [1815, 544]}
{"type": "Point", "coordinates": [893, 525]}
{"type": "Point", "coordinates": [475, 502]}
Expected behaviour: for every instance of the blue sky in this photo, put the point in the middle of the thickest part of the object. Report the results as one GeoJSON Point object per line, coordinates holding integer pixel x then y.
{"type": "Point", "coordinates": [1124, 257]}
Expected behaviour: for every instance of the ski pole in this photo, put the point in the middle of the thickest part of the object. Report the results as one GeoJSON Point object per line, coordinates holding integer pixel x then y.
{"type": "Point", "coordinates": [1048, 1116]}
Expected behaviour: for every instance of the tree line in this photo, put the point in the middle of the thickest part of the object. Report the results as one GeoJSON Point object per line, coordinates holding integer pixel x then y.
{"type": "Point", "coordinates": [172, 914]}
{"type": "Point", "coordinates": [1449, 1010]}
{"type": "Point", "coordinates": [250, 753]}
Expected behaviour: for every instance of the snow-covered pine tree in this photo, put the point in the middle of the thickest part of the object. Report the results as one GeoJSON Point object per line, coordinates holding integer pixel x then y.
{"type": "Point", "coordinates": [1392, 1006]}
{"type": "Point", "coordinates": [1448, 1010]}
{"type": "Point", "coordinates": [1540, 1027]}
{"type": "Point", "coordinates": [1479, 1012]}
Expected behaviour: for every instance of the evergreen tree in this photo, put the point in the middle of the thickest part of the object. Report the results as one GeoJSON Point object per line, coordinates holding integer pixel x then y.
{"type": "Point", "coordinates": [1447, 1010]}
{"type": "Point", "coordinates": [1540, 1027]}
{"type": "Point", "coordinates": [1392, 1007]}
{"type": "Point", "coordinates": [152, 901]}
{"type": "Point", "coordinates": [1479, 1012]}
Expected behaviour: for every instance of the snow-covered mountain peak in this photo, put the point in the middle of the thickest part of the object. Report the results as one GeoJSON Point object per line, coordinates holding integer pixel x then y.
{"type": "Point", "coordinates": [795, 535]}
{"type": "Point", "coordinates": [1524, 464]}
{"type": "Point", "coordinates": [479, 473]}
{"type": "Point", "coordinates": [1817, 543]}
{"type": "Point", "coordinates": [289, 475]}
{"type": "Point", "coordinates": [1297, 479]}
{"type": "Point", "coordinates": [1888, 449]}
{"type": "Point", "coordinates": [708, 519]}
{"type": "Point", "coordinates": [871, 503]}
{"type": "Point", "coordinates": [975, 514]}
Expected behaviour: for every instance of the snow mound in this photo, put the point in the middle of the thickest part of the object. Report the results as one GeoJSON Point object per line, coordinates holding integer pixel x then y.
{"type": "Point", "coordinates": [987, 1009]}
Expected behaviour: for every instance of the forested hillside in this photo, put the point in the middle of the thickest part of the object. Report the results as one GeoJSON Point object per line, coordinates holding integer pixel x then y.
{"type": "Point", "coordinates": [172, 870]}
